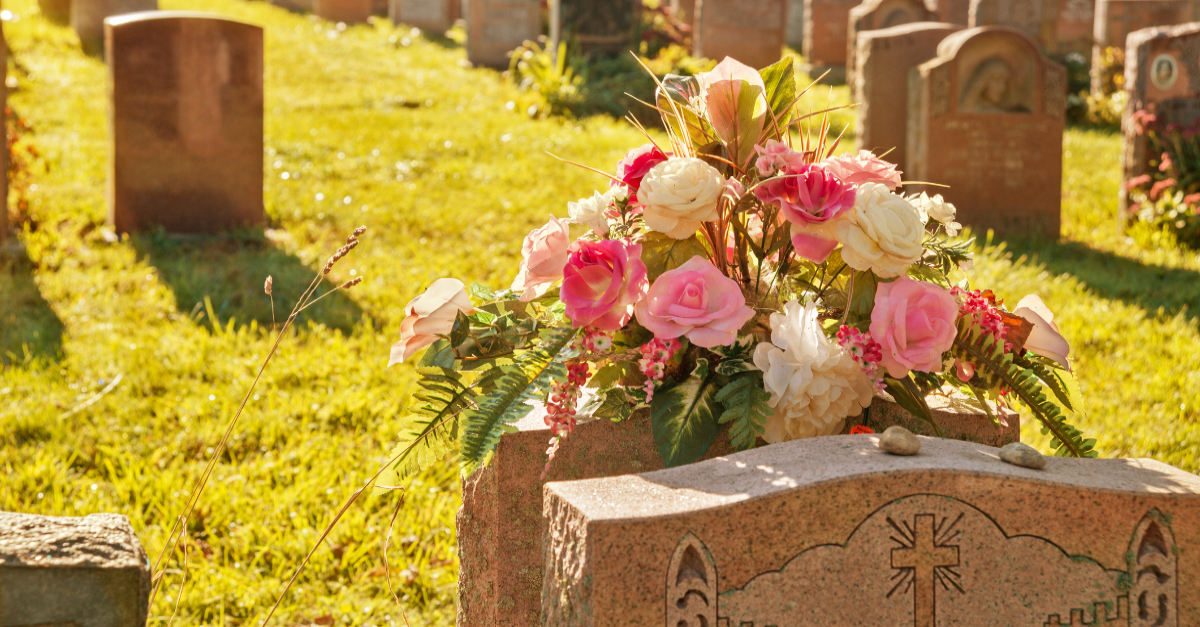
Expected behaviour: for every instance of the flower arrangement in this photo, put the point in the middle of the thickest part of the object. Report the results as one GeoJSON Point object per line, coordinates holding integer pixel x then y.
{"type": "Point", "coordinates": [735, 276]}
{"type": "Point", "coordinates": [1168, 197]}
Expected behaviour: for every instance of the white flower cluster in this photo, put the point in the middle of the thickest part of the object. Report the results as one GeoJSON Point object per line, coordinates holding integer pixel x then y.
{"type": "Point", "coordinates": [882, 233]}
{"type": "Point", "coordinates": [937, 209]}
{"type": "Point", "coordinates": [590, 211]}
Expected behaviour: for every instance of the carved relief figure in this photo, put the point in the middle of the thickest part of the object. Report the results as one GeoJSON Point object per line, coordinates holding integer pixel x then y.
{"type": "Point", "coordinates": [992, 89]}
{"type": "Point", "coordinates": [1154, 568]}
{"type": "Point", "coordinates": [692, 586]}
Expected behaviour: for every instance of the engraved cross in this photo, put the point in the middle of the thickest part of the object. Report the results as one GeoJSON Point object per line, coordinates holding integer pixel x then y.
{"type": "Point", "coordinates": [923, 558]}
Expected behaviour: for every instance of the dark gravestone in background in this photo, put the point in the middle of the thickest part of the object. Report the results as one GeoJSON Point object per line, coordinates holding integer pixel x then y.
{"type": "Point", "coordinates": [751, 31]}
{"type": "Point", "coordinates": [496, 27]}
{"type": "Point", "coordinates": [87, 18]}
{"type": "Point", "coordinates": [604, 26]}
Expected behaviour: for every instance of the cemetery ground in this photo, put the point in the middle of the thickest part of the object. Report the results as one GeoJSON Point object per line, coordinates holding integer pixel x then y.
{"type": "Point", "coordinates": [378, 126]}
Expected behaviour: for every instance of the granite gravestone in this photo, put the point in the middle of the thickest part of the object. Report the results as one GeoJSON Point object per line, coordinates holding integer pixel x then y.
{"type": "Point", "coordinates": [186, 116]}
{"type": "Point", "coordinates": [794, 32]}
{"type": "Point", "coordinates": [496, 27]}
{"type": "Point", "coordinates": [87, 18]}
{"type": "Point", "coordinates": [1059, 26]}
{"type": "Point", "coordinates": [77, 572]}
{"type": "Point", "coordinates": [1162, 77]}
{"type": "Point", "coordinates": [834, 532]}
{"type": "Point", "coordinates": [432, 15]}
{"type": "Point", "coordinates": [1023, 15]}
{"type": "Point", "coordinates": [58, 11]}
{"type": "Point", "coordinates": [751, 31]}
{"type": "Point", "coordinates": [1072, 28]}
{"type": "Point", "coordinates": [600, 26]}
{"type": "Point", "coordinates": [953, 11]}
{"type": "Point", "coordinates": [1115, 19]}
{"type": "Point", "coordinates": [295, 6]}
{"type": "Point", "coordinates": [986, 119]}
{"type": "Point", "coordinates": [345, 11]}
{"type": "Point", "coordinates": [878, 14]}
{"type": "Point", "coordinates": [825, 25]}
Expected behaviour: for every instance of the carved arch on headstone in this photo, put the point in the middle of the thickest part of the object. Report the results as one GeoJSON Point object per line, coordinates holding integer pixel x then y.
{"type": "Point", "coordinates": [691, 585]}
{"type": "Point", "coordinates": [1154, 569]}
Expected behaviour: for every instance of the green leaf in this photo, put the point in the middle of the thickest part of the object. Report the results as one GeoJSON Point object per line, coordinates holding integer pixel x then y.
{"type": "Point", "coordinates": [684, 417]}
{"type": "Point", "coordinates": [608, 375]}
{"type": "Point", "coordinates": [439, 355]}
{"type": "Point", "coordinates": [460, 330]}
{"type": "Point", "coordinates": [661, 253]}
{"type": "Point", "coordinates": [780, 80]}
{"type": "Point", "coordinates": [862, 301]}
{"type": "Point", "coordinates": [922, 272]}
{"type": "Point", "coordinates": [481, 293]}
{"type": "Point", "coordinates": [612, 404]}
{"type": "Point", "coordinates": [433, 432]}
{"type": "Point", "coordinates": [909, 397]}
{"type": "Point", "coordinates": [745, 402]}
{"type": "Point", "coordinates": [736, 358]}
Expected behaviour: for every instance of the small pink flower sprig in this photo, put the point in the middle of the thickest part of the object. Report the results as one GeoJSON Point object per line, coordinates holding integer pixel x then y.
{"type": "Point", "coordinates": [866, 352]}
{"type": "Point", "coordinates": [655, 355]}
{"type": "Point", "coordinates": [564, 395]}
{"type": "Point", "coordinates": [976, 303]}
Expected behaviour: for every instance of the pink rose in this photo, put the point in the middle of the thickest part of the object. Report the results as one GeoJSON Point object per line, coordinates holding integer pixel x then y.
{"type": "Point", "coordinates": [914, 322]}
{"type": "Point", "coordinates": [632, 168]}
{"type": "Point", "coordinates": [602, 281]}
{"type": "Point", "coordinates": [864, 167]}
{"type": "Point", "coordinates": [809, 197]}
{"type": "Point", "coordinates": [543, 255]}
{"type": "Point", "coordinates": [430, 315]}
{"type": "Point", "coordinates": [776, 156]}
{"type": "Point", "coordinates": [695, 300]}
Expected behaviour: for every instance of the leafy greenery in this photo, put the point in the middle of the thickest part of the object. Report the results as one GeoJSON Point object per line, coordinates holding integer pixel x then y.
{"type": "Point", "coordinates": [683, 416]}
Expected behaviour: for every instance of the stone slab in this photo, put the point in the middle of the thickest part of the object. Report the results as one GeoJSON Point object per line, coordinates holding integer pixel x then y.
{"type": "Point", "coordinates": [345, 11]}
{"type": "Point", "coordinates": [433, 15]}
{"type": "Point", "coordinates": [884, 59]}
{"type": "Point", "coordinates": [88, 571]}
{"type": "Point", "coordinates": [833, 531]}
{"type": "Point", "coordinates": [986, 119]}
{"type": "Point", "coordinates": [596, 26]}
{"type": "Point", "coordinates": [87, 18]}
{"type": "Point", "coordinates": [57, 11]}
{"type": "Point", "coordinates": [825, 26]}
{"type": "Point", "coordinates": [496, 27]}
{"type": "Point", "coordinates": [751, 31]}
{"type": "Point", "coordinates": [879, 14]}
{"type": "Point", "coordinates": [186, 116]}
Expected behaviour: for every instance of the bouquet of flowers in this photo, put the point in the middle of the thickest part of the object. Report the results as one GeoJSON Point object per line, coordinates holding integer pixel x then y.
{"type": "Point", "coordinates": [738, 275]}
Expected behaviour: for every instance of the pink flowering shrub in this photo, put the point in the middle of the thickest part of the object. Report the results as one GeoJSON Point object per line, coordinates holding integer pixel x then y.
{"type": "Point", "coordinates": [602, 281]}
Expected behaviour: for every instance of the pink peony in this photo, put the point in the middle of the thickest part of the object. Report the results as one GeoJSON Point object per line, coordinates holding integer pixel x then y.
{"type": "Point", "coordinates": [697, 301]}
{"type": "Point", "coordinates": [430, 315]}
{"type": "Point", "coordinates": [602, 281]}
{"type": "Point", "coordinates": [543, 255]}
{"type": "Point", "coordinates": [864, 167]}
{"type": "Point", "coordinates": [914, 322]}
{"type": "Point", "coordinates": [632, 168]}
{"type": "Point", "coordinates": [810, 198]}
{"type": "Point", "coordinates": [776, 156]}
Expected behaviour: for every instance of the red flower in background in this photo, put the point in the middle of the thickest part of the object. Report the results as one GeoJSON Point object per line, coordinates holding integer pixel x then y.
{"type": "Point", "coordinates": [859, 429]}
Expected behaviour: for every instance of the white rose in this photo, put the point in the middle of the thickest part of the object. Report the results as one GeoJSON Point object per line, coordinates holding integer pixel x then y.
{"type": "Point", "coordinates": [937, 209]}
{"type": "Point", "coordinates": [590, 211]}
{"type": "Point", "coordinates": [882, 233]}
{"type": "Point", "coordinates": [429, 316]}
{"type": "Point", "coordinates": [678, 194]}
{"type": "Point", "coordinates": [814, 384]}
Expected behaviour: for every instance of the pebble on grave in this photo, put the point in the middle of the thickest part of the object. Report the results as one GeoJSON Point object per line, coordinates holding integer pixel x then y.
{"type": "Point", "coordinates": [500, 525]}
{"type": "Point", "coordinates": [436, 16]}
{"type": "Point", "coordinates": [1162, 76]}
{"type": "Point", "coordinates": [345, 11]}
{"type": "Point", "coordinates": [187, 122]}
{"type": "Point", "coordinates": [833, 531]}
{"type": "Point", "coordinates": [497, 27]}
{"type": "Point", "coordinates": [986, 119]}
{"type": "Point", "coordinates": [825, 26]}
{"type": "Point", "coordinates": [597, 26]}
{"type": "Point", "coordinates": [86, 571]}
{"type": "Point", "coordinates": [874, 15]}
{"type": "Point", "coordinates": [884, 58]}
{"type": "Point", "coordinates": [87, 18]}
{"type": "Point", "coordinates": [751, 31]}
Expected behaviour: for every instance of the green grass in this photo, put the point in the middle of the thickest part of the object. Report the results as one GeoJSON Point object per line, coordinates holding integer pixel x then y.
{"type": "Point", "coordinates": [186, 323]}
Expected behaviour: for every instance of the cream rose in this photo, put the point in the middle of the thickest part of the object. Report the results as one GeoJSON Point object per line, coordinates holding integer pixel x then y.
{"type": "Point", "coordinates": [590, 211]}
{"type": "Point", "coordinates": [429, 316]}
{"type": "Point", "coordinates": [680, 193]}
{"type": "Point", "coordinates": [882, 233]}
{"type": "Point", "coordinates": [937, 209]}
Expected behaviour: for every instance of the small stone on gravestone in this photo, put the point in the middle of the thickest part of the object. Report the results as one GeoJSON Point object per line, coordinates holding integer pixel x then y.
{"type": "Point", "coordinates": [899, 441]}
{"type": "Point", "coordinates": [958, 416]}
{"type": "Point", "coordinates": [879, 14]}
{"type": "Point", "coordinates": [1162, 76]}
{"type": "Point", "coordinates": [345, 11]}
{"type": "Point", "coordinates": [603, 26]}
{"type": "Point", "coordinates": [1022, 455]}
{"type": "Point", "coordinates": [84, 572]}
{"type": "Point", "coordinates": [87, 18]}
{"type": "Point", "coordinates": [497, 27]}
{"type": "Point", "coordinates": [825, 26]}
{"type": "Point", "coordinates": [794, 33]}
{"type": "Point", "coordinates": [751, 31]}
{"type": "Point", "coordinates": [883, 59]}
{"type": "Point", "coordinates": [433, 15]}
{"type": "Point", "coordinates": [187, 122]}
{"type": "Point", "coordinates": [986, 120]}
{"type": "Point", "coordinates": [832, 531]}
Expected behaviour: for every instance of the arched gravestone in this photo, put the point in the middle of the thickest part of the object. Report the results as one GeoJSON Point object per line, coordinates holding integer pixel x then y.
{"type": "Point", "coordinates": [1162, 76]}
{"type": "Point", "coordinates": [87, 18]}
{"type": "Point", "coordinates": [832, 531]}
{"type": "Point", "coordinates": [496, 27]}
{"type": "Point", "coordinates": [751, 31]}
{"type": "Point", "coordinates": [1116, 19]}
{"type": "Point", "coordinates": [825, 37]}
{"type": "Point", "coordinates": [986, 120]}
{"type": "Point", "coordinates": [186, 115]}
{"type": "Point", "coordinates": [879, 14]}
{"type": "Point", "coordinates": [880, 84]}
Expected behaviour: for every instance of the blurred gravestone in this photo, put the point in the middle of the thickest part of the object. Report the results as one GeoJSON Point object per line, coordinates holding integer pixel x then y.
{"type": "Point", "coordinates": [87, 18]}
{"type": "Point", "coordinates": [954, 11]}
{"type": "Point", "coordinates": [881, 83]}
{"type": "Point", "coordinates": [187, 122]}
{"type": "Point", "coordinates": [1022, 15]}
{"type": "Point", "coordinates": [1162, 77]}
{"type": "Point", "coordinates": [1072, 28]}
{"type": "Point", "coordinates": [345, 11]}
{"type": "Point", "coordinates": [751, 31]}
{"type": "Point", "coordinates": [878, 14]}
{"type": "Point", "coordinates": [296, 6]}
{"type": "Point", "coordinates": [1059, 26]}
{"type": "Point", "coordinates": [77, 572]}
{"type": "Point", "coordinates": [433, 15]}
{"type": "Point", "coordinates": [601, 26]}
{"type": "Point", "coordinates": [496, 27]}
{"type": "Point", "coordinates": [58, 11]}
{"type": "Point", "coordinates": [986, 119]}
{"type": "Point", "coordinates": [825, 26]}
{"type": "Point", "coordinates": [794, 33]}
{"type": "Point", "coordinates": [1115, 19]}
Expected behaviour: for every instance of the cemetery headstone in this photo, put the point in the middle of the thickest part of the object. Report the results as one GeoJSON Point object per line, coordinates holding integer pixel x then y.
{"type": "Point", "coordinates": [1059, 26]}
{"type": "Point", "coordinates": [884, 59]}
{"type": "Point", "coordinates": [1162, 77]}
{"type": "Point", "coordinates": [295, 6]}
{"type": "Point", "coordinates": [496, 27]}
{"type": "Point", "coordinates": [825, 26]}
{"type": "Point", "coordinates": [58, 11]}
{"type": "Point", "coordinates": [794, 33]}
{"type": "Point", "coordinates": [877, 14]}
{"type": "Point", "coordinates": [1023, 15]}
{"type": "Point", "coordinates": [601, 26]}
{"type": "Point", "coordinates": [187, 122]}
{"type": "Point", "coordinates": [751, 31]}
{"type": "Point", "coordinates": [685, 10]}
{"type": "Point", "coordinates": [89, 571]}
{"type": "Point", "coordinates": [986, 119]}
{"type": "Point", "coordinates": [1072, 28]}
{"type": "Point", "coordinates": [432, 15]}
{"type": "Point", "coordinates": [346, 11]}
{"type": "Point", "coordinates": [833, 531]}
{"type": "Point", "coordinates": [500, 525]}
{"type": "Point", "coordinates": [954, 11]}
{"type": "Point", "coordinates": [87, 18]}
{"type": "Point", "coordinates": [1116, 19]}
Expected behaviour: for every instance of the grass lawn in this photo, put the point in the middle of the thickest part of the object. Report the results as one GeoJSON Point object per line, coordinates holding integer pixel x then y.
{"type": "Point", "coordinates": [377, 126]}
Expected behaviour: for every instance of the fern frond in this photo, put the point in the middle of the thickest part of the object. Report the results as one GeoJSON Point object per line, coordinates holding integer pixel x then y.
{"type": "Point", "coordinates": [433, 433]}
{"type": "Point", "coordinates": [1047, 374]}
